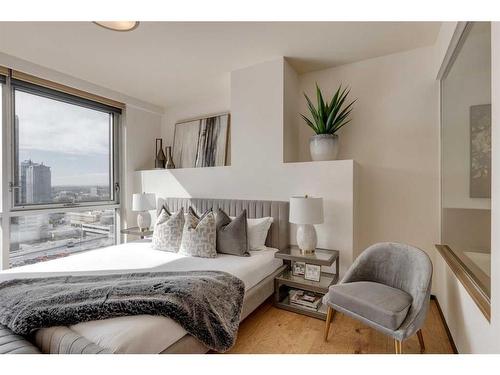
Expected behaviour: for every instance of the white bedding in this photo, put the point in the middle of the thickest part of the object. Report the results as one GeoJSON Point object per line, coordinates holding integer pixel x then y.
{"type": "Point", "coordinates": [144, 333]}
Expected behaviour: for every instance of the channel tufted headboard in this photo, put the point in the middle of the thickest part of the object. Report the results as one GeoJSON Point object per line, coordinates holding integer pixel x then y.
{"type": "Point", "coordinates": [278, 236]}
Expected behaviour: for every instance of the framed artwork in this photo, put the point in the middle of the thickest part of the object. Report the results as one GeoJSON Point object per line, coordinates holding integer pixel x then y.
{"type": "Point", "coordinates": [201, 142]}
{"type": "Point", "coordinates": [298, 268]}
{"type": "Point", "coordinates": [312, 272]}
{"type": "Point", "coordinates": [480, 151]}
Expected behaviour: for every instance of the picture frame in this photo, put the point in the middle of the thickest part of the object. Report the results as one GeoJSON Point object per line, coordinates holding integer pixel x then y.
{"type": "Point", "coordinates": [298, 268]}
{"type": "Point", "coordinates": [312, 272]}
{"type": "Point", "coordinates": [202, 141]}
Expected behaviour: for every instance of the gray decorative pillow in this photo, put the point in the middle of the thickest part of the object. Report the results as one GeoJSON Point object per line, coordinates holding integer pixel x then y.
{"type": "Point", "coordinates": [198, 237]}
{"type": "Point", "coordinates": [167, 235]}
{"type": "Point", "coordinates": [232, 234]}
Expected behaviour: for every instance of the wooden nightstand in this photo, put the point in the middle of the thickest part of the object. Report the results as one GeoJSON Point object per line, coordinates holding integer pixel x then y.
{"type": "Point", "coordinates": [287, 281]}
{"type": "Point", "coordinates": [135, 231]}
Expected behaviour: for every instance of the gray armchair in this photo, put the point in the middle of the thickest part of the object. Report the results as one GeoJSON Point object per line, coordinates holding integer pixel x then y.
{"type": "Point", "coordinates": [388, 288]}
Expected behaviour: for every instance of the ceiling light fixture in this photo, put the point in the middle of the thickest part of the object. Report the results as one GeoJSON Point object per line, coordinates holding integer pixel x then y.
{"type": "Point", "coordinates": [118, 25]}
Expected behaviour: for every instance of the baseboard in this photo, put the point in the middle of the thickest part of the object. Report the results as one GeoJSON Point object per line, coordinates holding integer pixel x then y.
{"type": "Point", "coordinates": [448, 332]}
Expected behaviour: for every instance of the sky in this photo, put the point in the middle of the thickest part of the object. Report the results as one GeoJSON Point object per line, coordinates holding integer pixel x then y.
{"type": "Point", "coordinates": [72, 140]}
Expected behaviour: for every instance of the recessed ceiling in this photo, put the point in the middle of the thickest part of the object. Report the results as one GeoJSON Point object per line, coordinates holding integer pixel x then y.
{"type": "Point", "coordinates": [168, 63]}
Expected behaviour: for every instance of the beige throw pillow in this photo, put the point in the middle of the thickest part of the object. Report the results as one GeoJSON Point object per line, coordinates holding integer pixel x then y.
{"type": "Point", "coordinates": [199, 235]}
{"type": "Point", "coordinates": [167, 234]}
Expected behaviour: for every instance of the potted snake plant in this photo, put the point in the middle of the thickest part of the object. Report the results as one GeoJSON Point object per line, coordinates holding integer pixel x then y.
{"type": "Point", "coordinates": [327, 119]}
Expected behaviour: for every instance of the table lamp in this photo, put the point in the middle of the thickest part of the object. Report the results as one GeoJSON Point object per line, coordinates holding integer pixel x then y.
{"type": "Point", "coordinates": [306, 211]}
{"type": "Point", "coordinates": [142, 203]}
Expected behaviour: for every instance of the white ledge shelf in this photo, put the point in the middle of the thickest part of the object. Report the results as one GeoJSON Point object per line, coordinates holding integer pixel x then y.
{"type": "Point", "coordinates": [290, 163]}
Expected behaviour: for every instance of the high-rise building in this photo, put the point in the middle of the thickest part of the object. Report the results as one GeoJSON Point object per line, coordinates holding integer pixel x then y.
{"type": "Point", "coordinates": [34, 179]}
{"type": "Point", "coordinates": [35, 183]}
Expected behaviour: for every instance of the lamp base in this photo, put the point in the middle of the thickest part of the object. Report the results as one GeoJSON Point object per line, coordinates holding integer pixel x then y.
{"type": "Point", "coordinates": [306, 238]}
{"type": "Point", "coordinates": [143, 220]}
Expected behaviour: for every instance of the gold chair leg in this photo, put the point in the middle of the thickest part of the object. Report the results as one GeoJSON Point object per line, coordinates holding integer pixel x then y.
{"type": "Point", "coordinates": [421, 341]}
{"type": "Point", "coordinates": [329, 317]}
{"type": "Point", "coordinates": [398, 346]}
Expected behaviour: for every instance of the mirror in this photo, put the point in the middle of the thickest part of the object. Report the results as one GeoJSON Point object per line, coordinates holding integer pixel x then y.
{"type": "Point", "coordinates": [466, 153]}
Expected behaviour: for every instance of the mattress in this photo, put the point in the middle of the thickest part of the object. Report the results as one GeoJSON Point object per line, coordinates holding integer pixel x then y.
{"type": "Point", "coordinates": [144, 333]}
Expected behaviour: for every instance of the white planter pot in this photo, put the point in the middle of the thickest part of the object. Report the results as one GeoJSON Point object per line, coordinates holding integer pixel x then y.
{"type": "Point", "coordinates": [324, 147]}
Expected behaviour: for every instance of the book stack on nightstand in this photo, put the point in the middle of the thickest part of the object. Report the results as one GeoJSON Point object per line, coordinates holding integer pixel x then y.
{"type": "Point", "coordinates": [302, 285]}
{"type": "Point", "coordinates": [304, 299]}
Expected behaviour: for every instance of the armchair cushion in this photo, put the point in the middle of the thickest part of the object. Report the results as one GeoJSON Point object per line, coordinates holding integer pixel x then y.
{"type": "Point", "coordinates": [376, 302]}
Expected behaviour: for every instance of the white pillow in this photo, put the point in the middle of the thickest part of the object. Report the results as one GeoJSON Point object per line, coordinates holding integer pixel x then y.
{"type": "Point", "coordinates": [257, 230]}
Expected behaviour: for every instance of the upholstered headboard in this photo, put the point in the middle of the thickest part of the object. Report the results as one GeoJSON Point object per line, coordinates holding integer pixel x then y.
{"type": "Point", "coordinates": [278, 236]}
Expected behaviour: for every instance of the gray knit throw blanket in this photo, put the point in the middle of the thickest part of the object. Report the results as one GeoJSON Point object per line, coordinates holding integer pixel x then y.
{"type": "Point", "coordinates": [207, 304]}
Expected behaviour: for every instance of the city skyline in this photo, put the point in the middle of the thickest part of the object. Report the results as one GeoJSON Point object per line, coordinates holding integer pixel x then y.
{"type": "Point", "coordinates": [35, 187]}
{"type": "Point", "coordinates": [73, 140]}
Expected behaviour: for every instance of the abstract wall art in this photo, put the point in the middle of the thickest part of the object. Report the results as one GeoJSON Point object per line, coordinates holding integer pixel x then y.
{"type": "Point", "coordinates": [201, 142]}
{"type": "Point", "coordinates": [480, 151]}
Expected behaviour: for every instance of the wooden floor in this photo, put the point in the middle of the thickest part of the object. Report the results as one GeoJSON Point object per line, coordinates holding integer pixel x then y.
{"type": "Point", "coordinates": [272, 330]}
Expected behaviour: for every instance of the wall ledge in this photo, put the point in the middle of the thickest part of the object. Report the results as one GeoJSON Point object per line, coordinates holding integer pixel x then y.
{"type": "Point", "coordinates": [286, 164]}
{"type": "Point", "coordinates": [467, 279]}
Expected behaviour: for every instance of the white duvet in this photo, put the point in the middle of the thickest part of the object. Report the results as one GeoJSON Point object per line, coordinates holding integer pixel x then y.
{"type": "Point", "coordinates": [144, 333]}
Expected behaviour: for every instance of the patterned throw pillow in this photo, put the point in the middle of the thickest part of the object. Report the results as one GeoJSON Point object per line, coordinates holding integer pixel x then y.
{"type": "Point", "coordinates": [167, 235]}
{"type": "Point", "coordinates": [199, 236]}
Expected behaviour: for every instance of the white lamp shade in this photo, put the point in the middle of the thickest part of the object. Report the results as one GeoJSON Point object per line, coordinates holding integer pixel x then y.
{"type": "Point", "coordinates": [306, 210]}
{"type": "Point", "coordinates": [143, 202]}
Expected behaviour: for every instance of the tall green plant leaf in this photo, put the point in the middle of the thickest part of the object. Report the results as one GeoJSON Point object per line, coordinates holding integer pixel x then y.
{"type": "Point", "coordinates": [343, 114]}
{"type": "Point", "coordinates": [329, 117]}
{"type": "Point", "coordinates": [309, 122]}
{"type": "Point", "coordinates": [336, 109]}
{"type": "Point", "coordinates": [313, 111]}
{"type": "Point", "coordinates": [335, 98]}
{"type": "Point", "coordinates": [321, 109]}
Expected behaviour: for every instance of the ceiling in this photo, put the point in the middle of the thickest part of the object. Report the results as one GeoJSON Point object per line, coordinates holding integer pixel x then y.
{"type": "Point", "coordinates": [169, 63]}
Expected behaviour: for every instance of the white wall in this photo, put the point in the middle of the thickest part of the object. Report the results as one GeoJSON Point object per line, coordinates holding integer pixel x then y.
{"type": "Point", "coordinates": [257, 170]}
{"type": "Point", "coordinates": [471, 331]}
{"type": "Point", "coordinates": [140, 130]}
{"type": "Point", "coordinates": [290, 128]}
{"type": "Point", "coordinates": [257, 114]}
{"type": "Point", "coordinates": [218, 103]}
{"type": "Point", "coordinates": [394, 136]}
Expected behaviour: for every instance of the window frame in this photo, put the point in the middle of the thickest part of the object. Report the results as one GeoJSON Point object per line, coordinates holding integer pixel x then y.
{"type": "Point", "coordinates": [114, 177]}
{"type": "Point", "coordinates": [8, 209]}
{"type": "Point", "coordinates": [4, 208]}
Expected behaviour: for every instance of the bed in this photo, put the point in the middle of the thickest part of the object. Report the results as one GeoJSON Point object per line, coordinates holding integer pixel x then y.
{"type": "Point", "coordinates": [157, 334]}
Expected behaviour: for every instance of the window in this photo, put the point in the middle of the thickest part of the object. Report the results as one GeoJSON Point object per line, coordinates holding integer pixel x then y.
{"type": "Point", "coordinates": [61, 153]}
{"type": "Point", "coordinates": [40, 237]}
